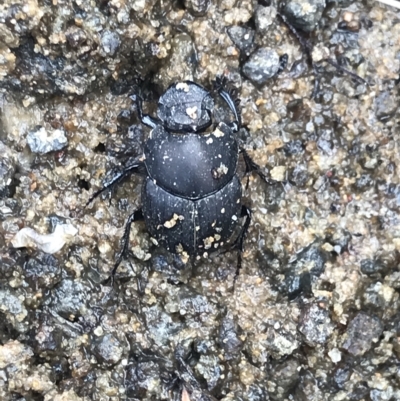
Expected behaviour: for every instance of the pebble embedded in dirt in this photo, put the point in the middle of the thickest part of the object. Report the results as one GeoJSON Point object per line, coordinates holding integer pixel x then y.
{"type": "Point", "coordinates": [41, 140]}
{"type": "Point", "coordinates": [7, 172]}
{"type": "Point", "coordinates": [304, 14]}
{"type": "Point", "coordinates": [264, 18]}
{"type": "Point", "coordinates": [262, 65]}
{"type": "Point", "coordinates": [315, 324]}
{"type": "Point", "coordinates": [108, 349]}
{"type": "Point", "coordinates": [242, 37]}
{"type": "Point", "coordinates": [361, 333]}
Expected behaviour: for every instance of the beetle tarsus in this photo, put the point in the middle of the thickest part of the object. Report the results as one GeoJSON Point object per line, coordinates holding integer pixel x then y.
{"type": "Point", "coordinates": [239, 242]}
{"type": "Point", "coordinates": [346, 71]}
{"type": "Point", "coordinates": [189, 382]}
{"type": "Point", "coordinates": [307, 49]}
{"type": "Point", "coordinates": [137, 215]}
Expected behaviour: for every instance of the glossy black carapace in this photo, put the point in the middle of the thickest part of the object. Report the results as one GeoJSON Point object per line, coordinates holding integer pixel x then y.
{"type": "Point", "coordinates": [191, 195]}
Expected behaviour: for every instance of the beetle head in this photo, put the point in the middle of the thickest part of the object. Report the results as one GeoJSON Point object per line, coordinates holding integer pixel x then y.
{"type": "Point", "coordinates": [185, 107]}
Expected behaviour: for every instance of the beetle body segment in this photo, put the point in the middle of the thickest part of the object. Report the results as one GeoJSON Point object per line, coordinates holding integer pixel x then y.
{"type": "Point", "coordinates": [191, 165]}
{"type": "Point", "coordinates": [191, 226]}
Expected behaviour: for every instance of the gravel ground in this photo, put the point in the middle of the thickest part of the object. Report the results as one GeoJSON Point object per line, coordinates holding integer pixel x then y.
{"type": "Point", "coordinates": [314, 314]}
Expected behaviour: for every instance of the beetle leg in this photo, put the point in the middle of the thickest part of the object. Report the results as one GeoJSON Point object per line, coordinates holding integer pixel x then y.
{"type": "Point", "coordinates": [187, 377]}
{"type": "Point", "coordinates": [346, 71]}
{"type": "Point", "coordinates": [133, 168]}
{"type": "Point", "coordinates": [137, 215]}
{"type": "Point", "coordinates": [308, 48]}
{"type": "Point", "coordinates": [304, 43]}
{"type": "Point", "coordinates": [231, 101]}
{"type": "Point", "coordinates": [146, 119]}
{"type": "Point", "coordinates": [238, 244]}
{"type": "Point", "coordinates": [251, 166]}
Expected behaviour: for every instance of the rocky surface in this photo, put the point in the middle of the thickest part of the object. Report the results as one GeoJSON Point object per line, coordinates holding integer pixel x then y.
{"type": "Point", "coordinates": [314, 314]}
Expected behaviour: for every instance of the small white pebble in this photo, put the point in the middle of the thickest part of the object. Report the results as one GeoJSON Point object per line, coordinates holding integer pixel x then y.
{"type": "Point", "coordinates": [335, 355]}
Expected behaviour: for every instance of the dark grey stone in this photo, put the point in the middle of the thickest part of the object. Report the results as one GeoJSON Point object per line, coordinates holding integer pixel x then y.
{"type": "Point", "coordinates": [68, 298]}
{"type": "Point", "coordinates": [108, 349]}
{"type": "Point", "coordinates": [304, 14]}
{"type": "Point", "coordinates": [262, 65]}
{"type": "Point", "coordinates": [242, 37]}
{"type": "Point", "coordinates": [385, 106]}
{"type": "Point", "coordinates": [361, 332]}
{"type": "Point", "coordinates": [315, 324]}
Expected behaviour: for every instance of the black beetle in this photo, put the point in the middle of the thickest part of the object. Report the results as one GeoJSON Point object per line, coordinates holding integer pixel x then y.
{"type": "Point", "coordinates": [191, 196]}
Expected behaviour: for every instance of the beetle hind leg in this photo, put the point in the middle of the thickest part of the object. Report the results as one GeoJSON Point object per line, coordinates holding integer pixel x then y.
{"type": "Point", "coordinates": [238, 243]}
{"type": "Point", "coordinates": [137, 215]}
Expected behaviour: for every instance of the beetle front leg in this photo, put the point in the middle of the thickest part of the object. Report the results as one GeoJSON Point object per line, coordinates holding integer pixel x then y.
{"type": "Point", "coordinates": [137, 215]}
{"type": "Point", "coordinates": [146, 119]}
{"type": "Point", "coordinates": [231, 101]}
